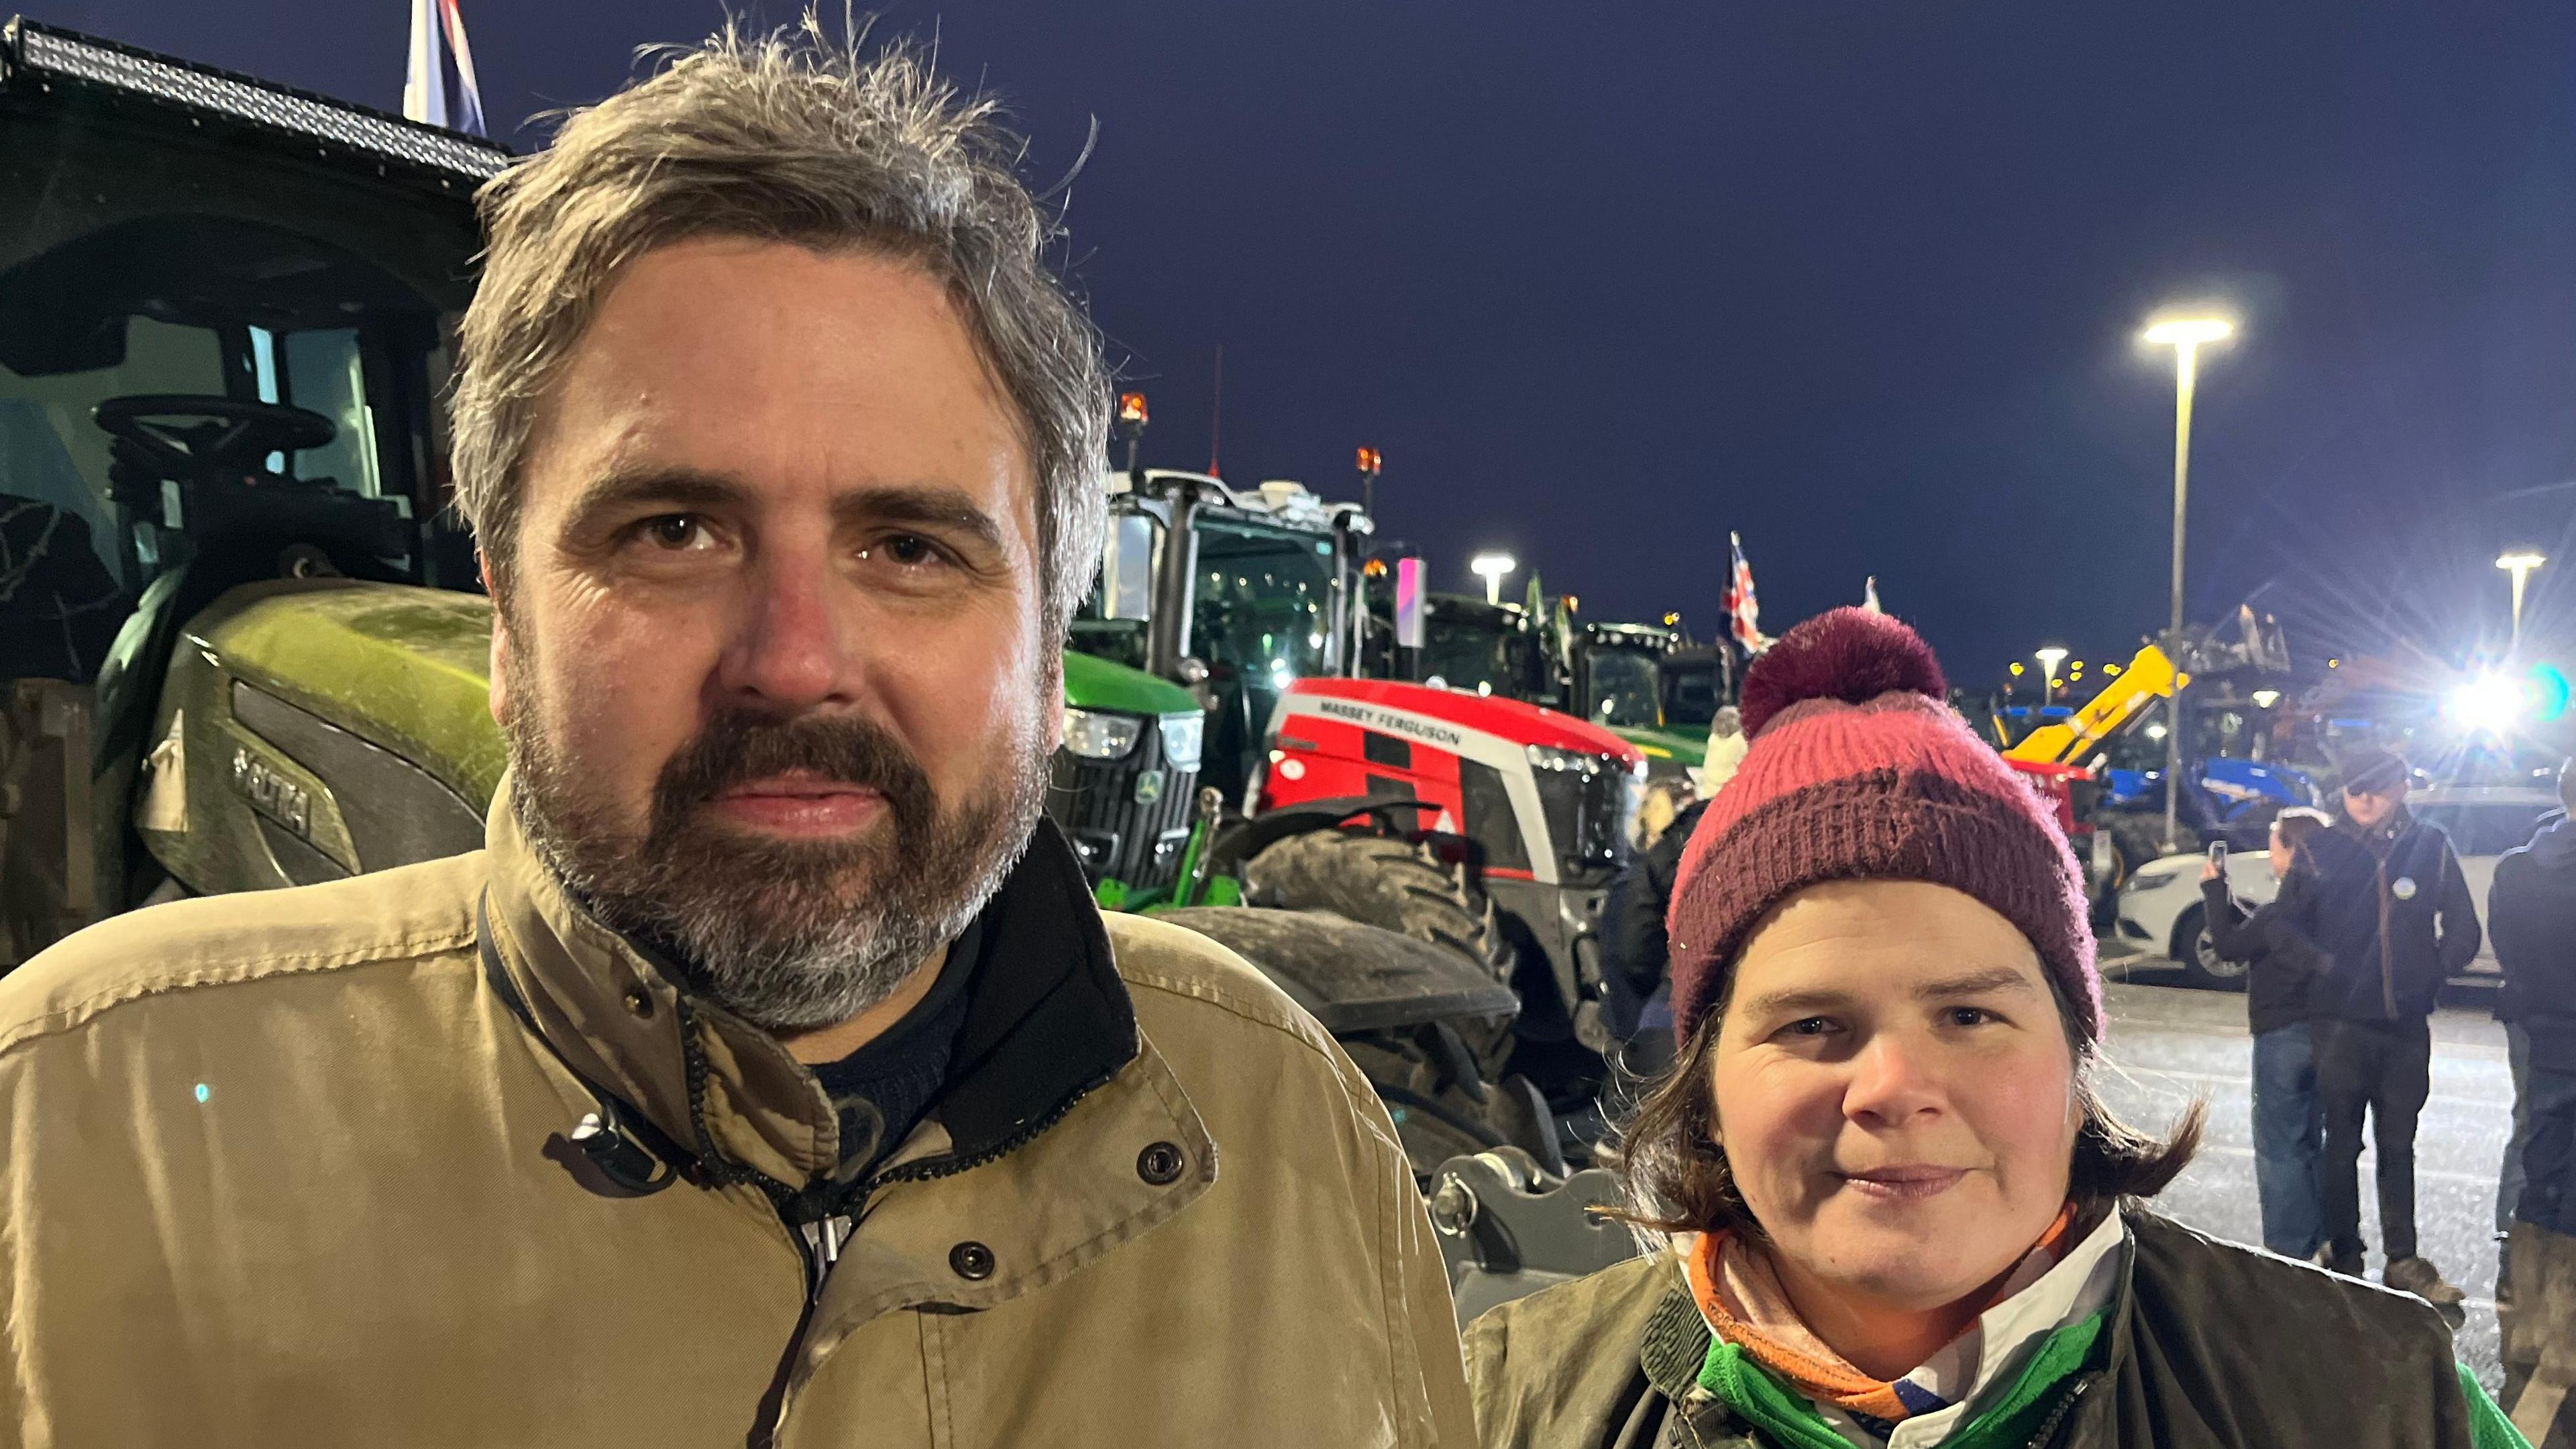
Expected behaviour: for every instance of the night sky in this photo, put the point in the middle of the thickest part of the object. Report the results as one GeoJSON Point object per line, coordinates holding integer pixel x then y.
{"type": "Point", "coordinates": [1858, 280]}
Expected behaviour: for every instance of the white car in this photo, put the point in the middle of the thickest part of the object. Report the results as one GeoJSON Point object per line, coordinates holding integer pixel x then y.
{"type": "Point", "coordinates": [2160, 903]}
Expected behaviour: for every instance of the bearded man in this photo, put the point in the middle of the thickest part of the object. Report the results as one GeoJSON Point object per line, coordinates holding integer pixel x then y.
{"type": "Point", "coordinates": [770, 1077]}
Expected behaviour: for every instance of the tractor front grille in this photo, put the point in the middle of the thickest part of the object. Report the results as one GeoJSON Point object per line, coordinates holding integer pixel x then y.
{"type": "Point", "coordinates": [1588, 812]}
{"type": "Point", "coordinates": [1129, 819]}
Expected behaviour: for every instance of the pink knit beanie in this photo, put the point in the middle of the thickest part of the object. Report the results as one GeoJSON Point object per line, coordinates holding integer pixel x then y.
{"type": "Point", "coordinates": [1860, 770]}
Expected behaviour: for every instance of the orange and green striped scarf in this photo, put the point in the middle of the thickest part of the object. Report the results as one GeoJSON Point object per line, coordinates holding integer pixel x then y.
{"type": "Point", "coordinates": [1744, 1304]}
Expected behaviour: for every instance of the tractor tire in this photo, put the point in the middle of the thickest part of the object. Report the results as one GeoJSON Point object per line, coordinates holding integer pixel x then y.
{"type": "Point", "coordinates": [1381, 882]}
{"type": "Point", "coordinates": [1400, 887]}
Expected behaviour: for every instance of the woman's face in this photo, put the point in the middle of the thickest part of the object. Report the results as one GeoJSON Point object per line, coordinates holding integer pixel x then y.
{"type": "Point", "coordinates": [1895, 1092]}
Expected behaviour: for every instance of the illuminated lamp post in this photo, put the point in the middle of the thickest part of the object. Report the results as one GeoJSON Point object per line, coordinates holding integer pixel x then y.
{"type": "Point", "coordinates": [1492, 568]}
{"type": "Point", "coordinates": [2186, 336]}
{"type": "Point", "coordinates": [2049, 658]}
{"type": "Point", "coordinates": [2519, 562]}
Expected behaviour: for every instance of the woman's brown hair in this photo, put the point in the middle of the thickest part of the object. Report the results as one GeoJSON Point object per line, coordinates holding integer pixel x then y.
{"type": "Point", "coordinates": [1678, 1180]}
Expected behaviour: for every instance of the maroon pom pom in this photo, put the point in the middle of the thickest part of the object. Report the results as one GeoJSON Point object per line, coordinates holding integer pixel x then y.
{"type": "Point", "coordinates": [1850, 654]}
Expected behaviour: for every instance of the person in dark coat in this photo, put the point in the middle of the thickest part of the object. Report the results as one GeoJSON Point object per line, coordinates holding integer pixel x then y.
{"type": "Point", "coordinates": [2393, 913]}
{"type": "Point", "coordinates": [2531, 911]}
{"type": "Point", "coordinates": [1896, 1211]}
{"type": "Point", "coordinates": [2531, 920]}
{"type": "Point", "coordinates": [2282, 970]}
{"type": "Point", "coordinates": [1641, 1012]}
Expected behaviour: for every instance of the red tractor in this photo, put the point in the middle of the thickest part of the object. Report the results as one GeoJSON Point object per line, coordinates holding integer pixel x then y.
{"type": "Point", "coordinates": [1527, 809]}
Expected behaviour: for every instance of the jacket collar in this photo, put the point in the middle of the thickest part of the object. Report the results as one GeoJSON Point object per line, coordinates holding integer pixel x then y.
{"type": "Point", "coordinates": [1046, 1022]}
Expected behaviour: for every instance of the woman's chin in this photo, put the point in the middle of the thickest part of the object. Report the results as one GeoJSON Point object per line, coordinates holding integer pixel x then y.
{"type": "Point", "coordinates": [1909, 1260]}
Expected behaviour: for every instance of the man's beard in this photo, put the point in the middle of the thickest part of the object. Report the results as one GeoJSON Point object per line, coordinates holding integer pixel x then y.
{"type": "Point", "coordinates": [787, 934]}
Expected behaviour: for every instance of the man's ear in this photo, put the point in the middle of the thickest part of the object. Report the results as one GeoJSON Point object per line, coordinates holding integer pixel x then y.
{"type": "Point", "coordinates": [499, 687]}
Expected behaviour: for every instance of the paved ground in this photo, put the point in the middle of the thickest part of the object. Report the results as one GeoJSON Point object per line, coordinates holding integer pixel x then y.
{"type": "Point", "coordinates": [2168, 1045]}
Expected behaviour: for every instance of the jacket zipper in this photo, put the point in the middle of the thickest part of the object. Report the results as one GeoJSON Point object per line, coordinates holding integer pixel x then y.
{"type": "Point", "coordinates": [2048, 1426]}
{"type": "Point", "coordinates": [2387, 958]}
{"type": "Point", "coordinates": [819, 1239]}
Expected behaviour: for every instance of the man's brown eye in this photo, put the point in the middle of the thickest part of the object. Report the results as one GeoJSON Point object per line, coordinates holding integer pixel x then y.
{"type": "Point", "coordinates": [676, 530]}
{"type": "Point", "coordinates": [905, 548]}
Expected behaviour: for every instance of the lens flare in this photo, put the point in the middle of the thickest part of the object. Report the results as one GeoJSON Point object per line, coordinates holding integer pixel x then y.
{"type": "Point", "coordinates": [2489, 704]}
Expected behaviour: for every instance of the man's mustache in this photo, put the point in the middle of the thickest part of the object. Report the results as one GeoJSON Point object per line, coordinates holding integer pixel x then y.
{"type": "Point", "coordinates": [739, 745]}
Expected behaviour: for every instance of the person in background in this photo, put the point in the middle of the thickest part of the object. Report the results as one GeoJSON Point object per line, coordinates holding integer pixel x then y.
{"type": "Point", "coordinates": [2531, 911]}
{"type": "Point", "coordinates": [2282, 967]}
{"type": "Point", "coordinates": [1726, 746]}
{"type": "Point", "coordinates": [1641, 1009]}
{"type": "Point", "coordinates": [1900, 1214]}
{"type": "Point", "coordinates": [2531, 920]}
{"type": "Point", "coordinates": [2393, 913]}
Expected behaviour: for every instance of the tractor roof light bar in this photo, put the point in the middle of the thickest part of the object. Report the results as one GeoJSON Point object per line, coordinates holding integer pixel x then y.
{"type": "Point", "coordinates": [43, 54]}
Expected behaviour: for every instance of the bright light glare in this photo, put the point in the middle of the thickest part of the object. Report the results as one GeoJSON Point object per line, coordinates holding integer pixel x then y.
{"type": "Point", "coordinates": [2266, 698]}
{"type": "Point", "coordinates": [2523, 561]}
{"type": "Point", "coordinates": [2190, 331]}
{"type": "Point", "coordinates": [1492, 565]}
{"type": "Point", "coordinates": [2491, 703]}
{"type": "Point", "coordinates": [2155, 732]}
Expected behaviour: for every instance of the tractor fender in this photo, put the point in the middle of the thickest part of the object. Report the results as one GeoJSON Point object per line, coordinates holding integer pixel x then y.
{"type": "Point", "coordinates": [1244, 839]}
{"type": "Point", "coordinates": [1351, 978]}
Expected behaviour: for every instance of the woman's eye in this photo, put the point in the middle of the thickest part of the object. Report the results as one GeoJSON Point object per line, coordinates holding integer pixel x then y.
{"type": "Point", "coordinates": [1971, 1016]}
{"type": "Point", "coordinates": [1810, 1026]}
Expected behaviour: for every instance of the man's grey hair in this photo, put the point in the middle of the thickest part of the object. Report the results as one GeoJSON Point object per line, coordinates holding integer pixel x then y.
{"type": "Point", "coordinates": [787, 137]}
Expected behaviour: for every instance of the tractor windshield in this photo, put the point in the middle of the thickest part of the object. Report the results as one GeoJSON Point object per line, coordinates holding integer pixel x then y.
{"type": "Point", "coordinates": [1691, 693]}
{"type": "Point", "coordinates": [1620, 687]}
{"type": "Point", "coordinates": [53, 454]}
{"type": "Point", "coordinates": [1263, 601]}
{"type": "Point", "coordinates": [1480, 649]}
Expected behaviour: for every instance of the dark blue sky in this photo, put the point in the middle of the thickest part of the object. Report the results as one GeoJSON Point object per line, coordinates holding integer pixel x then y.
{"type": "Point", "coordinates": [1858, 279]}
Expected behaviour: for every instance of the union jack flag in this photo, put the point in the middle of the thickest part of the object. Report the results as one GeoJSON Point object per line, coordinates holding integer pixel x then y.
{"type": "Point", "coordinates": [437, 38]}
{"type": "Point", "coordinates": [1741, 605]}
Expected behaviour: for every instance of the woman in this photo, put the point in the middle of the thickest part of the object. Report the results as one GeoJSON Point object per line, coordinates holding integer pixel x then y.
{"type": "Point", "coordinates": [1899, 1214]}
{"type": "Point", "coordinates": [2280, 966]}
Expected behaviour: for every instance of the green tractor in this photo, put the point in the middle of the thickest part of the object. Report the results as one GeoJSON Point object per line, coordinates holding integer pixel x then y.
{"type": "Point", "coordinates": [241, 642]}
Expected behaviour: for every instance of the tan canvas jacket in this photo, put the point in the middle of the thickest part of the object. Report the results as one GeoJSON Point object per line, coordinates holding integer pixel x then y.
{"type": "Point", "coordinates": [288, 1168]}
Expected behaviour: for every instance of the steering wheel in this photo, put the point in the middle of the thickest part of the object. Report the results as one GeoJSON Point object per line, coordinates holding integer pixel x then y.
{"type": "Point", "coordinates": [183, 436]}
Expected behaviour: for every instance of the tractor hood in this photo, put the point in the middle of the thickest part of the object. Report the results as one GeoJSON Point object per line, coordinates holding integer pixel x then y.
{"type": "Point", "coordinates": [1509, 719]}
{"type": "Point", "coordinates": [1666, 747]}
{"type": "Point", "coordinates": [1091, 682]}
{"type": "Point", "coordinates": [406, 669]}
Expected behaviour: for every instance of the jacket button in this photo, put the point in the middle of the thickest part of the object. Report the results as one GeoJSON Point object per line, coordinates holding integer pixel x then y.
{"type": "Point", "coordinates": [639, 1001]}
{"type": "Point", "coordinates": [971, 1261]}
{"type": "Point", "coordinates": [1160, 1164]}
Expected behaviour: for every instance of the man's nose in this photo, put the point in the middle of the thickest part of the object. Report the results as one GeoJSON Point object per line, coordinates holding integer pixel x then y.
{"type": "Point", "coordinates": [1894, 1078]}
{"type": "Point", "coordinates": [791, 644]}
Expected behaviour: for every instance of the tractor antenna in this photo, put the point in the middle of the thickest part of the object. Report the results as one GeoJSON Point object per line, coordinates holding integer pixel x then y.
{"type": "Point", "coordinates": [1216, 412]}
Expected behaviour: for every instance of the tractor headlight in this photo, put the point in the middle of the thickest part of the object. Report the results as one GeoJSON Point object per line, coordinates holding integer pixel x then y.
{"type": "Point", "coordinates": [1095, 735]}
{"type": "Point", "coordinates": [1549, 757]}
{"type": "Point", "coordinates": [1181, 736]}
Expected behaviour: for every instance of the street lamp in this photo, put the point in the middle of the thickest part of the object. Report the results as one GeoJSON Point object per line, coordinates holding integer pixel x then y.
{"type": "Point", "coordinates": [2519, 562]}
{"type": "Point", "coordinates": [2049, 658]}
{"type": "Point", "coordinates": [2186, 336]}
{"type": "Point", "coordinates": [1491, 567]}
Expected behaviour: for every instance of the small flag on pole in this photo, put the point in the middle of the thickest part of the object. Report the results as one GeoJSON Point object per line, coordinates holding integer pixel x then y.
{"type": "Point", "coordinates": [1869, 595]}
{"type": "Point", "coordinates": [437, 41]}
{"type": "Point", "coordinates": [1741, 605]}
